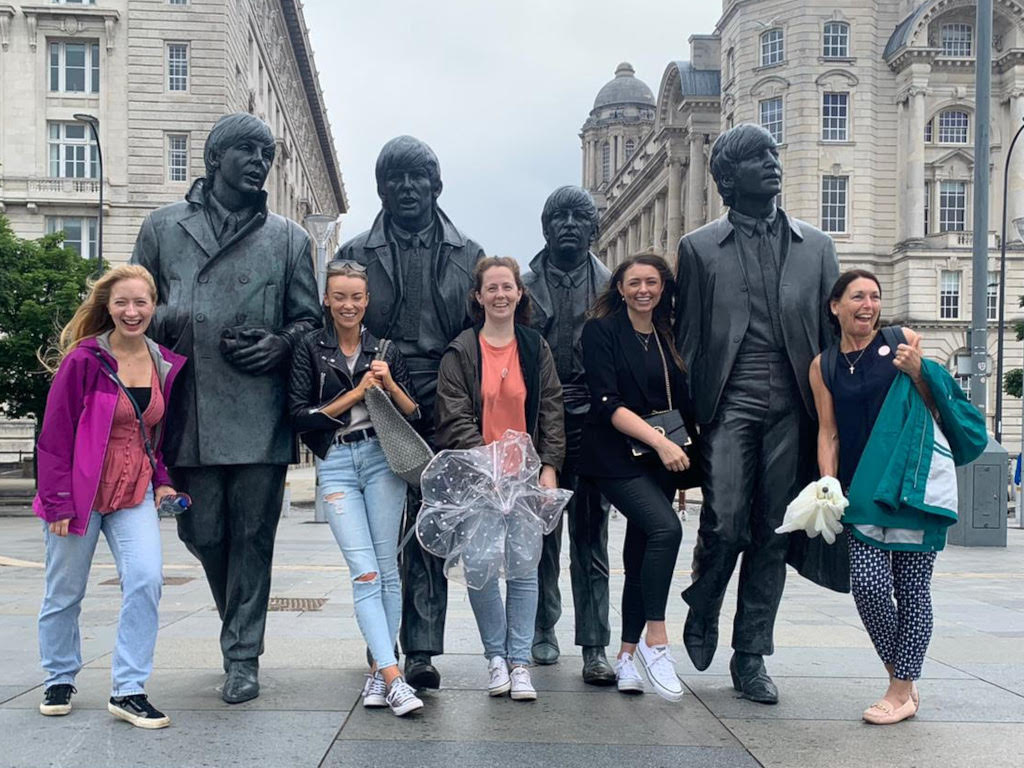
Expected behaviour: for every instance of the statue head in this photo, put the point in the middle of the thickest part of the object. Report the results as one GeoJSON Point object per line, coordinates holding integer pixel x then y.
{"type": "Point", "coordinates": [238, 153]}
{"type": "Point", "coordinates": [408, 182]}
{"type": "Point", "coordinates": [745, 165]}
{"type": "Point", "coordinates": [569, 222]}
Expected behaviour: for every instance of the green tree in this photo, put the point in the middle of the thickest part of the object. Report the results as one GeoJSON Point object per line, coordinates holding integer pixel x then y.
{"type": "Point", "coordinates": [1013, 380]}
{"type": "Point", "coordinates": [41, 285]}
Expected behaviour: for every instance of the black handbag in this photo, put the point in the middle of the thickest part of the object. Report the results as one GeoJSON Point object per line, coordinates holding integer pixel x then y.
{"type": "Point", "coordinates": [668, 422]}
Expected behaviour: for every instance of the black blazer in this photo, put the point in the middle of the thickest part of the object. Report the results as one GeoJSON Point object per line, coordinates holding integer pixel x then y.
{"type": "Point", "coordinates": [713, 306]}
{"type": "Point", "coordinates": [616, 376]}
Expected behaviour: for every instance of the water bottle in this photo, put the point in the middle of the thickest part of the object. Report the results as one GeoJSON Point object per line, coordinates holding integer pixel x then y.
{"type": "Point", "coordinates": [174, 505]}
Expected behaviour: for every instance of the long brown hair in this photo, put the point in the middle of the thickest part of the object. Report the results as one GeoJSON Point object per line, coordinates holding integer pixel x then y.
{"type": "Point", "coordinates": [92, 318]}
{"type": "Point", "coordinates": [610, 301]}
{"type": "Point", "coordinates": [522, 316]}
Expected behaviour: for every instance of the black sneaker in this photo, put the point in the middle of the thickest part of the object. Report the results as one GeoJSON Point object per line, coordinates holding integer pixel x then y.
{"type": "Point", "coordinates": [57, 700]}
{"type": "Point", "coordinates": [138, 711]}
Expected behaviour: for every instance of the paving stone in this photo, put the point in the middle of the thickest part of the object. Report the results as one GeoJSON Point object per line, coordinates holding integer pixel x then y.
{"type": "Point", "coordinates": [471, 754]}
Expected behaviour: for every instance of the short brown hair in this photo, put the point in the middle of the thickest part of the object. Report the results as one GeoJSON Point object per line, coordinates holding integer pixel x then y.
{"type": "Point", "coordinates": [522, 308]}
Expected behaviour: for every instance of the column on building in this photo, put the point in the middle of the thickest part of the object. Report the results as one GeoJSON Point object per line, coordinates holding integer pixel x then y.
{"type": "Point", "coordinates": [659, 224]}
{"type": "Point", "coordinates": [695, 183]}
{"type": "Point", "coordinates": [1015, 190]}
{"type": "Point", "coordinates": [633, 240]}
{"type": "Point", "coordinates": [914, 192]}
{"type": "Point", "coordinates": [645, 229]}
{"type": "Point", "coordinates": [621, 248]}
{"type": "Point", "coordinates": [674, 218]}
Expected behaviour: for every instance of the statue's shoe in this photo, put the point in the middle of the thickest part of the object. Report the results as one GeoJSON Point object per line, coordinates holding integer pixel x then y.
{"type": "Point", "coordinates": [700, 636]}
{"type": "Point", "coordinates": [420, 673]}
{"type": "Point", "coordinates": [751, 679]}
{"type": "Point", "coordinates": [243, 682]}
{"type": "Point", "coordinates": [545, 647]}
{"type": "Point", "coordinates": [596, 669]}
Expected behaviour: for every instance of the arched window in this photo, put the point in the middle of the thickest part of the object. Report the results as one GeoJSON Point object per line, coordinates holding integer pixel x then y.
{"type": "Point", "coordinates": [630, 148]}
{"type": "Point", "coordinates": [953, 124]}
{"type": "Point", "coordinates": [771, 47]}
{"type": "Point", "coordinates": [835, 40]}
{"type": "Point", "coordinates": [606, 161]}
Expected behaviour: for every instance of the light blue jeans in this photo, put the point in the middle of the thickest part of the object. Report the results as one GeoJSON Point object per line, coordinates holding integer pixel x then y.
{"type": "Point", "coordinates": [133, 535]}
{"type": "Point", "coordinates": [364, 501]}
{"type": "Point", "coordinates": [506, 630]}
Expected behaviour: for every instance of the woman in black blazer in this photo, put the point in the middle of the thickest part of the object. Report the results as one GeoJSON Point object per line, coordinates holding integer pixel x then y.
{"type": "Point", "coordinates": [627, 348]}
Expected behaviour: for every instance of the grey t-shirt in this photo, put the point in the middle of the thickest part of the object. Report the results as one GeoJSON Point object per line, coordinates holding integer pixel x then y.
{"type": "Point", "coordinates": [359, 416]}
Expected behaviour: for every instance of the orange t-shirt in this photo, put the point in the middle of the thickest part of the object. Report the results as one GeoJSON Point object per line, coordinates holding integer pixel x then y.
{"type": "Point", "coordinates": [502, 390]}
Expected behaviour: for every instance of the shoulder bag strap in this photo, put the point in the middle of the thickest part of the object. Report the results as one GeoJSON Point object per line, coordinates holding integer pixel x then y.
{"type": "Point", "coordinates": [138, 411]}
{"type": "Point", "coordinates": [664, 366]}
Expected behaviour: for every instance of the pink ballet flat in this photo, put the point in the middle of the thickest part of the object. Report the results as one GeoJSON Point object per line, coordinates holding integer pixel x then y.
{"type": "Point", "coordinates": [883, 713]}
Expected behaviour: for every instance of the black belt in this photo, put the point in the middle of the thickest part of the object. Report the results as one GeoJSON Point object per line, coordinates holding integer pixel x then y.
{"type": "Point", "coordinates": [355, 437]}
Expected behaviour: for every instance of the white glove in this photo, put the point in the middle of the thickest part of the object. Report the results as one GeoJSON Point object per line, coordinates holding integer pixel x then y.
{"type": "Point", "coordinates": [816, 510]}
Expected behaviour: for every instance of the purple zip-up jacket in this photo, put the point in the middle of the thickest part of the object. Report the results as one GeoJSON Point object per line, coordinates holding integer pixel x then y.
{"type": "Point", "coordinates": [76, 428]}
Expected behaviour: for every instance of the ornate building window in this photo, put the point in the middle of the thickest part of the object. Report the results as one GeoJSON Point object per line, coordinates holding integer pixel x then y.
{"type": "Point", "coordinates": [833, 203]}
{"type": "Point", "coordinates": [770, 116]}
{"type": "Point", "coordinates": [177, 2]}
{"type": "Point", "coordinates": [177, 66]}
{"type": "Point", "coordinates": [927, 206]}
{"type": "Point", "coordinates": [72, 151]}
{"type": "Point", "coordinates": [992, 296]}
{"type": "Point", "coordinates": [74, 67]}
{"type": "Point", "coordinates": [79, 233]}
{"type": "Point", "coordinates": [74, 2]}
{"type": "Point", "coordinates": [772, 51]}
{"type": "Point", "coordinates": [835, 40]}
{"type": "Point", "coordinates": [952, 206]}
{"type": "Point", "coordinates": [730, 66]}
{"type": "Point", "coordinates": [835, 116]}
{"type": "Point", "coordinates": [957, 40]}
{"type": "Point", "coordinates": [949, 294]}
{"type": "Point", "coordinates": [606, 161]}
{"type": "Point", "coordinates": [630, 148]}
{"type": "Point", "coordinates": [953, 126]}
{"type": "Point", "coordinates": [177, 157]}
{"type": "Point", "coordinates": [928, 131]}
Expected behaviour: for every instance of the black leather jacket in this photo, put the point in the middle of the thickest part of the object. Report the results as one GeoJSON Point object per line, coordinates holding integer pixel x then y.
{"type": "Point", "coordinates": [320, 374]}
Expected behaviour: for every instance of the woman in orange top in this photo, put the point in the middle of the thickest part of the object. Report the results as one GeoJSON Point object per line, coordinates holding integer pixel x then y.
{"type": "Point", "coordinates": [496, 376]}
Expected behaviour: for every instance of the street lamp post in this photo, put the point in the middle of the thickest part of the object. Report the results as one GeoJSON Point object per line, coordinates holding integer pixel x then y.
{"type": "Point", "coordinates": [321, 227]}
{"type": "Point", "coordinates": [94, 126]}
{"type": "Point", "coordinates": [1002, 291]}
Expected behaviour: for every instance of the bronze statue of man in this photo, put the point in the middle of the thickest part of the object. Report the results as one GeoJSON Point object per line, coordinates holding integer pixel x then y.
{"type": "Point", "coordinates": [420, 272]}
{"type": "Point", "coordinates": [751, 315]}
{"type": "Point", "coordinates": [564, 280]}
{"type": "Point", "coordinates": [236, 290]}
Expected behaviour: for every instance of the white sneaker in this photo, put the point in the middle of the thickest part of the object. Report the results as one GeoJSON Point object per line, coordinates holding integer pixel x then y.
{"type": "Point", "coordinates": [500, 681]}
{"type": "Point", "coordinates": [375, 691]}
{"type": "Point", "coordinates": [522, 685]}
{"type": "Point", "coordinates": [660, 669]}
{"type": "Point", "coordinates": [627, 678]}
{"type": "Point", "coordinates": [402, 698]}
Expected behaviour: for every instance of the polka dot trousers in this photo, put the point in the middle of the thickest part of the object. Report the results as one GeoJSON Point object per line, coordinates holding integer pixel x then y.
{"type": "Point", "coordinates": [900, 630]}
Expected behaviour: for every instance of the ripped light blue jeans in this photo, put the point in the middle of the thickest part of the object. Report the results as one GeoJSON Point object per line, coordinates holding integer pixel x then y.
{"type": "Point", "coordinates": [364, 501]}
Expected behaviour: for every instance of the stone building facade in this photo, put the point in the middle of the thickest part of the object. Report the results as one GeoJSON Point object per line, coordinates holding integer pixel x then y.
{"type": "Point", "coordinates": [872, 102]}
{"type": "Point", "coordinates": [157, 74]}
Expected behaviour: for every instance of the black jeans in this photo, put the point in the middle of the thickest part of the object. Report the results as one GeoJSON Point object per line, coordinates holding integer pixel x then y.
{"type": "Point", "coordinates": [653, 536]}
{"type": "Point", "coordinates": [230, 528]}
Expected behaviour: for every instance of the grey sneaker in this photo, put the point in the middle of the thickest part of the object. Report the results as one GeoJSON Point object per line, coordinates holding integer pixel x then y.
{"type": "Point", "coordinates": [500, 682]}
{"type": "Point", "coordinates": [660, 668]}
{"type": "Point", "coordinates": [402, 698]}
{"type": "Point", "coordinates": [521, 684]}
{"type": "Point", "coordinates": [375, 691]}
{"type": "Point", "coordinates": [137, 710]}
{"type": "Point", "coordinates": [627, 677]}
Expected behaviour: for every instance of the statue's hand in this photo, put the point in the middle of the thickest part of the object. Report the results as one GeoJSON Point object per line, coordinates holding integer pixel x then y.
{"type": "Point", "coordinates": [263, 354]}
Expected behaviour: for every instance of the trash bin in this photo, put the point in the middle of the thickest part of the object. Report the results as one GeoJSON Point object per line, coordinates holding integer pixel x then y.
{"type": "Point", "coordinates": [981, 487]}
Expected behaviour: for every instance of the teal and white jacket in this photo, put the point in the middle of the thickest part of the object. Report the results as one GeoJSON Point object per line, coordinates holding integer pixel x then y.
{"type": "Point", "coordinates": [903, 495]}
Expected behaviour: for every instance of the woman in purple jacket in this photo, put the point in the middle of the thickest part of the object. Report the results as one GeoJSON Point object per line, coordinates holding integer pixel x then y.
{"type": "Point", "coordinates": [100, 470]}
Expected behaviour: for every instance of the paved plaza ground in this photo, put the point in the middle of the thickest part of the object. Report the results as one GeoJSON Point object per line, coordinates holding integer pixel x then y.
{"type": "Point", "coordinates": [972, 711]}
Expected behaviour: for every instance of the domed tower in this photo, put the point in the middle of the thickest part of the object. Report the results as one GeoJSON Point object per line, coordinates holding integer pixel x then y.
{"type": "Point", "coordinates": [623, 113]}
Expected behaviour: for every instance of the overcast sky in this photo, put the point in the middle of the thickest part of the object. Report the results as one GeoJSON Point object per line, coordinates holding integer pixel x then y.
{"type": "Point", "coordinates": [498, 89]}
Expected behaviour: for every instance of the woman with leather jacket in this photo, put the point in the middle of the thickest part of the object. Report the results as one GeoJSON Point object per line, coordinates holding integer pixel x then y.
{"type": "Point", "coordinates": [332, 368]}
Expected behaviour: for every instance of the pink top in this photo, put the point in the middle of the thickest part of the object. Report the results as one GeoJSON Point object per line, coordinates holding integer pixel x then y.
{"type": "Point", "coordinates": [126, 470]}
{"type": "Point", "coordinates": [502, 389]}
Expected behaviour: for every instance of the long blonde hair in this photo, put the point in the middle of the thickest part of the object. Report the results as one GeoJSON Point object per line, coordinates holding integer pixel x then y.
{"type": "Point", "coordinates": [92, 318]}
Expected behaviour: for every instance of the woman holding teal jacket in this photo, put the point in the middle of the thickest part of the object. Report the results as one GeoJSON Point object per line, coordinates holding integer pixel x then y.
{"type": "Point", "coordinates": [860, 394]}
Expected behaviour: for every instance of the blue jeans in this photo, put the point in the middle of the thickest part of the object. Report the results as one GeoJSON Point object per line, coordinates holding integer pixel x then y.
{"type": "Point", "coordinates": [506, 630]}
{"type": "Point", "coordinates": [133, 536]}
{"type": "Point", "coordinates": [364, 501]}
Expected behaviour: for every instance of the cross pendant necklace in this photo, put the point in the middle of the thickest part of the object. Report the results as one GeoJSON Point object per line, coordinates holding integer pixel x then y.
{"type": "Point", "coordinates": [854, 363]}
